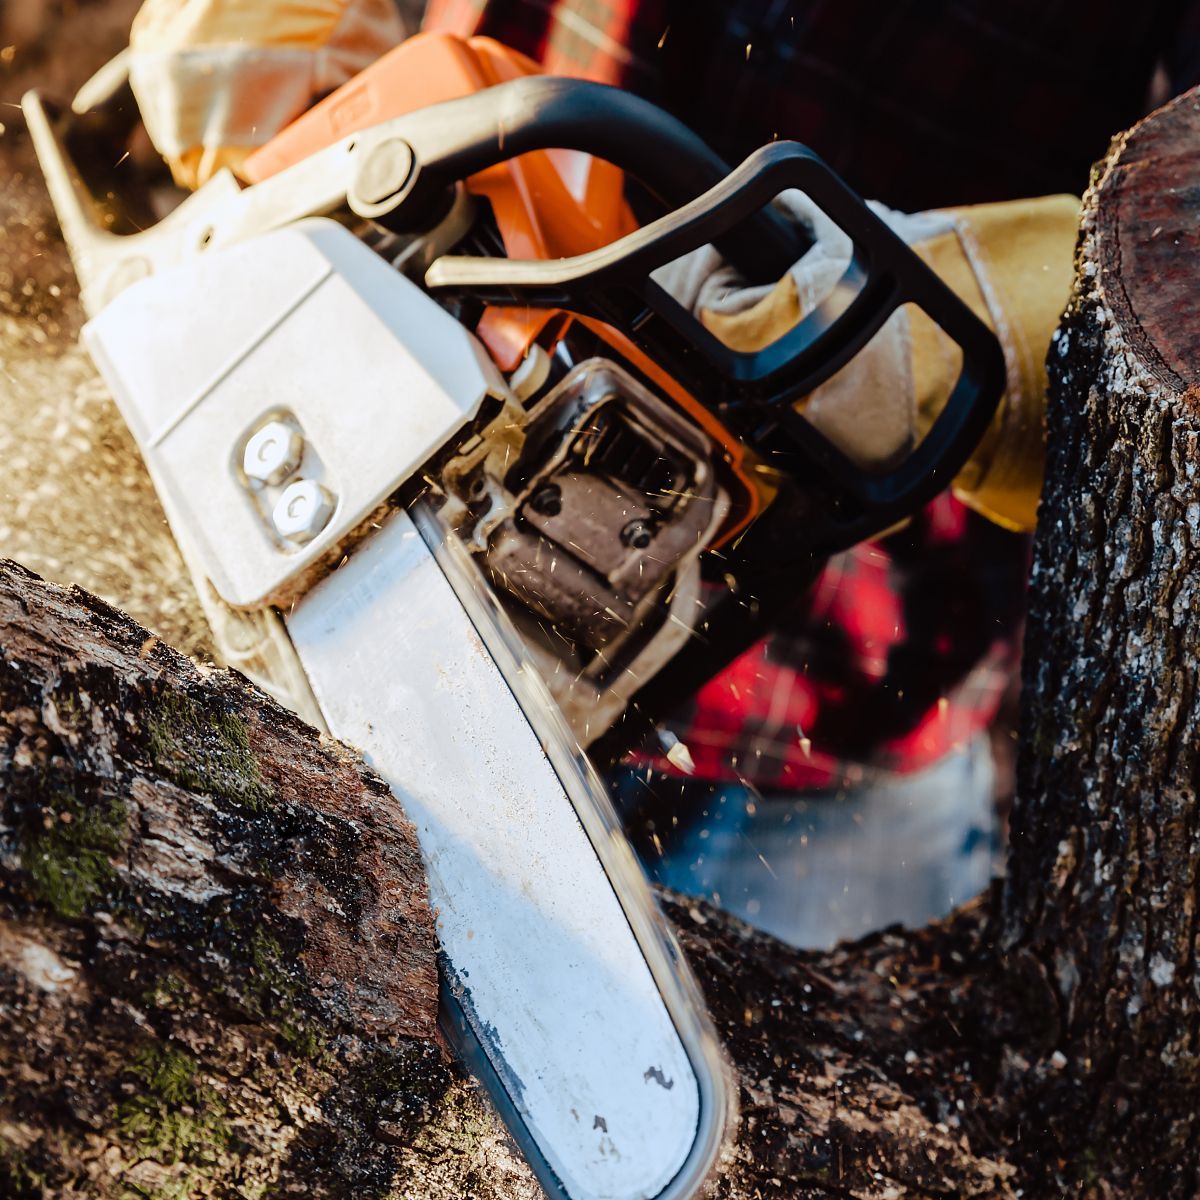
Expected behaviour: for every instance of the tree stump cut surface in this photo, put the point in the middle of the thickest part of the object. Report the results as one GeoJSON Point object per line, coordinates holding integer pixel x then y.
{"type": "Point", "coordinates": [1147, 245]}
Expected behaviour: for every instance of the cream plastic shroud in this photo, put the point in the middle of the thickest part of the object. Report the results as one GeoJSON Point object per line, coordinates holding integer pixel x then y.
{"type": "Point", "coordinates": [306, 324]}
{"type": "Point", "coordinates": [584, 1023]}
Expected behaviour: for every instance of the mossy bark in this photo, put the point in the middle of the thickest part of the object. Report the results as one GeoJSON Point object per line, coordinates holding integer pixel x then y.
{"type": "Point", "coordinates": [218, 957]}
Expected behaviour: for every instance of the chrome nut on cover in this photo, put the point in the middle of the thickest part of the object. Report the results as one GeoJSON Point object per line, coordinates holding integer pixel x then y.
{"type": "Point", "coordinates": [302, 511]}
{"type": "Point", "coordinates": [273, 453]}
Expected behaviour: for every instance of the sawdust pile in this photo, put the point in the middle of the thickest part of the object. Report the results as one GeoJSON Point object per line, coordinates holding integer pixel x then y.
{"type": "Point", "coordinates": [76, 504]}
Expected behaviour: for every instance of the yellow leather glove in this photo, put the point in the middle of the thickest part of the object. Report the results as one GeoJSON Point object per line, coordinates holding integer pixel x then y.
{"type": "Point", "coordinates": [1011, 263]}
{"type": "Point", "coordinates": [215, 79]}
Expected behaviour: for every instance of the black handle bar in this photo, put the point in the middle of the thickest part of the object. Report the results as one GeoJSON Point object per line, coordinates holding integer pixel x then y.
{"type": "Point", "coordinates": [459, 138]}
{"type": "Point", "coordinates": [755, 393]}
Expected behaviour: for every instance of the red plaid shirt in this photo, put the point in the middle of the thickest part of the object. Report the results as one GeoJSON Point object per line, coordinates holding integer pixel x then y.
{"type": "Point", "coordinates": [901, 652]}
{"type": "Point", "coordinates": [904, 647]}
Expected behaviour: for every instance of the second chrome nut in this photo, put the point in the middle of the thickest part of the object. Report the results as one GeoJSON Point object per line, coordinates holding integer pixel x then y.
{"type": "Point", "coordinates": [302, 511]}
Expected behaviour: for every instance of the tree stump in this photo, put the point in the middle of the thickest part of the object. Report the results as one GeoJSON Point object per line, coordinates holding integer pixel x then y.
{"type": "Point", "coordinates": [1101, 900]}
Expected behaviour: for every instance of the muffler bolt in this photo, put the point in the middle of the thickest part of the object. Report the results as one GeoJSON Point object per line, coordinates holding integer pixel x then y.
{"type": "Point", "coordinates": [547, 500]}
{"type": "Point", "coordinates": [637, 534]}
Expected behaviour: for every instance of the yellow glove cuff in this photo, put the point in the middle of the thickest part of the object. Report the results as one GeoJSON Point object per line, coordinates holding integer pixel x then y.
{"type": "Point", "coordinates": [215, 79]}
{"type": "Point", "coordinates": [1013, 264]}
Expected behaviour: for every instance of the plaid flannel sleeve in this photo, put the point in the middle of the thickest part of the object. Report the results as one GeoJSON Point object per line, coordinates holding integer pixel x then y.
{"type": "Point", "coordinates": [605, 40]}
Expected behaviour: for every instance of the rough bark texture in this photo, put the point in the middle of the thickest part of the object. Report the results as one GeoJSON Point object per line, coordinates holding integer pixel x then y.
{"type": "Point", "coordinates": [215, 940]}
{"type": "Point", "coordinates": [174, 1022]}
{"type": "Point", "coordinates": [1101, 903]}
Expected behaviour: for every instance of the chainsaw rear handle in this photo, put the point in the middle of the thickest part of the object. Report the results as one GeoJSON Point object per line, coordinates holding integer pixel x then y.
{"type": "Point", "coordinates": [755, 393]}
{"type": "Point", "coordinates": [451, 141]}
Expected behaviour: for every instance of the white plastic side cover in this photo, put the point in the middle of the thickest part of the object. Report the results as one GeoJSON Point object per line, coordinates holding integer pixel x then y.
{"type": "Point", "coordinates": [306, 323]}
{"type": "Point", "coordinates": [557, 984]}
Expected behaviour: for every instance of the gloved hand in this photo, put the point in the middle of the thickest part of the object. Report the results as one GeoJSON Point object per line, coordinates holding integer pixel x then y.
{"type": "Point", "coordinates": [1012, 265]}
{"type": "Point", "coordinates": [215, 79]}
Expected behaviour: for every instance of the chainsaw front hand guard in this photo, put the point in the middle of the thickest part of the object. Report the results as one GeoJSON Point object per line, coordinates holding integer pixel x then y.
{"type": "Point", "coordinates": [756, 394]}
{"type": "Point", "coordinates": [402, 179]}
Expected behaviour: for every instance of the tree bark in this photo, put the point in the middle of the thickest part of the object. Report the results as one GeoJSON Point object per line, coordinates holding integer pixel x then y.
{"type": "Point", "coordinates": [1100, 907]}
{"type": "Point", "coordinates": [183, 865]}
{"type": "Point", "coordinates": [215, 939]}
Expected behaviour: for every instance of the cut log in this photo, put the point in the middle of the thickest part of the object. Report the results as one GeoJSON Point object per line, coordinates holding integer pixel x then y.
{"type": "Point", "coordinates": [208, 915]}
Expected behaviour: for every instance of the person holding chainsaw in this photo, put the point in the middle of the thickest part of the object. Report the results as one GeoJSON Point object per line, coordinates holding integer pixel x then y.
{"type": "Point", "coordinates": [840, 768]}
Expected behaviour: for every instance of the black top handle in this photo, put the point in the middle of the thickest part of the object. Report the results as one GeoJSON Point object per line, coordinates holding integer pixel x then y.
{"type": "Point", "coordinates": [755, 393]}
{"type": "Point", "coordinates": [451, 141]}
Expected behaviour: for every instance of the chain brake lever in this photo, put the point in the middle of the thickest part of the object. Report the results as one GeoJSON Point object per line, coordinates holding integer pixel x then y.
{"type": "Point", "coordinates": [401, 173]}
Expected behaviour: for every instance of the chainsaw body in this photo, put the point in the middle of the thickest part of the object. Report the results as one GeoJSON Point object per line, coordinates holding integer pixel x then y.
{"type": "Point", "coordinates": [474, 514]}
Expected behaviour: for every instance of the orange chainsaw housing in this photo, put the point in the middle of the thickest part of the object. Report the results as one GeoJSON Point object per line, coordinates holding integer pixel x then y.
{"type": "Point", "coordinates": [547, 204]}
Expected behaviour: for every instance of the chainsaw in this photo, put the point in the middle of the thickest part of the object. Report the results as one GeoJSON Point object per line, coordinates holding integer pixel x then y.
{"type": "Point", "coordinates": [461, 482]}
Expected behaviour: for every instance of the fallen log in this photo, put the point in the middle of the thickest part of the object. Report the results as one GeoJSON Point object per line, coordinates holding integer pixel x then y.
{"type": "Point", "coordinates": [215, 938]}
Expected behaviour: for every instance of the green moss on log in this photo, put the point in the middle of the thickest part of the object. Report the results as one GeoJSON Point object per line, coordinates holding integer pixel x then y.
{"type": "Point", "coordinates": [172, 1115]}
{"type": "Point", "coordinates": [275, 990]}
{"type": "Point", "coordinates": [206, 752]}
{"type": "Point", "coordinates": [69, 859]}
{"type": "Point", "coordinates": [170, 993]}
{"type": "Point", "coordinates": [19, 1180]}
